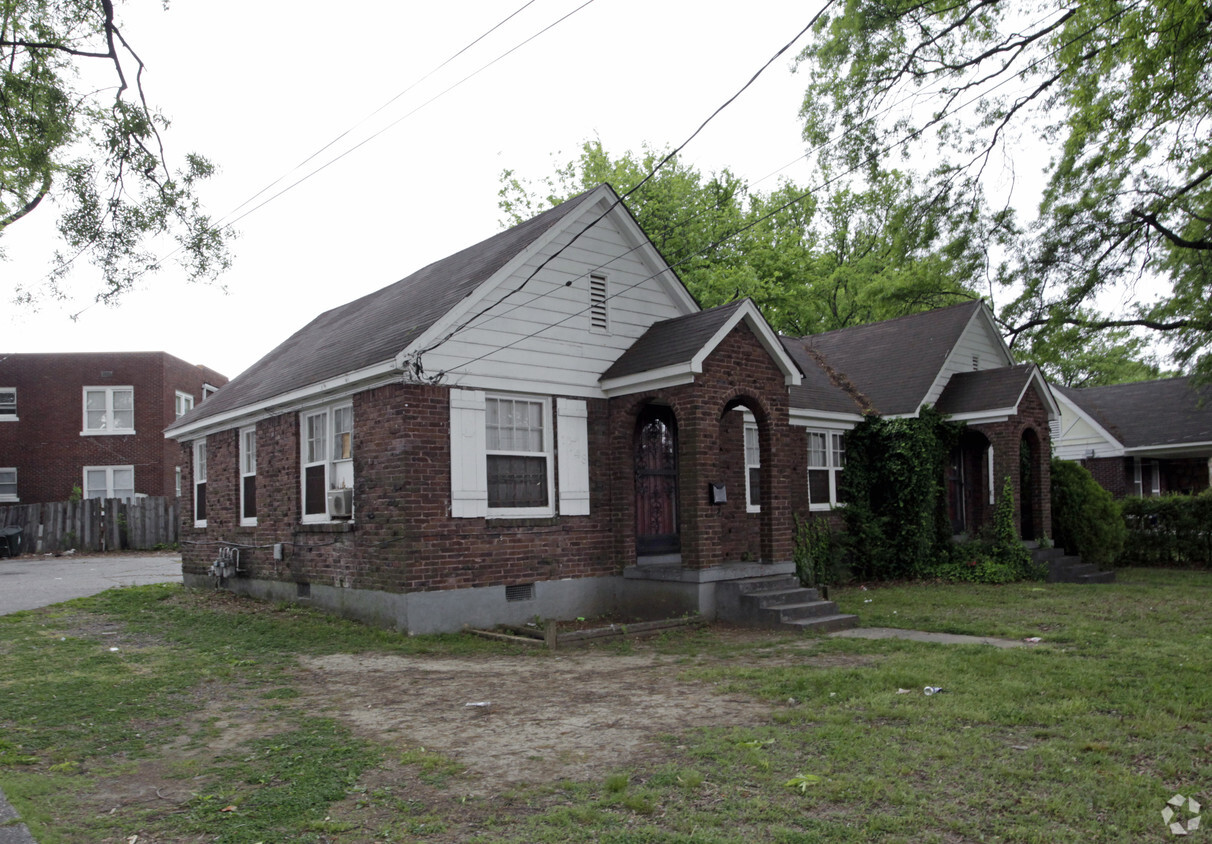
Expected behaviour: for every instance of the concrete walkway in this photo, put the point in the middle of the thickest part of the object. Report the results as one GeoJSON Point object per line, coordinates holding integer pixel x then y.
{"type": "Point", "coordinates": [922, 636]}
{"type": "Point", "coordinates": [33, 581]}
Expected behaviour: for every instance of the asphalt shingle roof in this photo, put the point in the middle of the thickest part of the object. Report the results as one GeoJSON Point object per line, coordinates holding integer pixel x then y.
{"type": "Point", "coordinates": [1149, 413]}
{"type": "Point", "coordinates": [671, 342]}
{"type": "Point", "coordinates": [375, 328]}
{"type": "Point", "coordinates": [892, 364]}
{"type": "Point", "coordinates": [986, 389]}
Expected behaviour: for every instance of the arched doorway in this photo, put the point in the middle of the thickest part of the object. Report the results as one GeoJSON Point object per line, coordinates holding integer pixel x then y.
{"type": "Point", "coordinates": [968, 483]}
{"type": "Point", "coordinates": [1029, 484]}
{"type": "Point", "coordinates": [656, 483]}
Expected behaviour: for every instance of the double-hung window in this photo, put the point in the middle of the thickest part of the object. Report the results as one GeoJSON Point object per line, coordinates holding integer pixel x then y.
{"type": "Point", "coordinates": [184, 404]}
{"type": "Point", "coordinates": [200, 484]}
{"type": "Point", "coordinates": [826, 459]}
{"type": "Point", "coordinates": [8, 485]}
{"type": "Point", "coordinates": [248, 476]}
{"type": "Point", "coordinates": [517, 448]}
{"type": "Point", "coordinates": [327, 458]}
{"type": "Point", "coordinates": [1146, 478]}
{"type": "Point", "coordinates": [109, 410]}
{"type": "Point", "coordinates": [109, 482]}
{"type": "Point", "coordinates": [8, 404]}
{"type": "Point", "coordinates": [753, 469]}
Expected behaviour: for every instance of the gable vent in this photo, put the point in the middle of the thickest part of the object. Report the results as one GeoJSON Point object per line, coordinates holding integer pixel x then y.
{"type": "Point", "coordinates": [976, 362]}
{"type": "Point", "coordinates": [520, 592]}
{"type": "Point", "coordinates": [599, 315]}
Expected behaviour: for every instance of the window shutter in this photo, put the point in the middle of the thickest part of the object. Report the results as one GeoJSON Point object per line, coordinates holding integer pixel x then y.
{"type": "Point", "coordinates": [468, 469]}
{"type": "Point", "coordinates": [572, 456]}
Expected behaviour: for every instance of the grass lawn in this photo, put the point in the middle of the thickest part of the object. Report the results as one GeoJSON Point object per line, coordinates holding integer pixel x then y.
{"type": "Point", "coordinates": [182, 716]}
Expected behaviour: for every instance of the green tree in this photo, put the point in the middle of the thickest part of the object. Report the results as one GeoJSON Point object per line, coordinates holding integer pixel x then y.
{"type": "Point", "coordinates": [811, 263]}
{"type": "Point", "coordinates": [76, 127]}
{"type": "Point", "coordinates": [1114, 99]}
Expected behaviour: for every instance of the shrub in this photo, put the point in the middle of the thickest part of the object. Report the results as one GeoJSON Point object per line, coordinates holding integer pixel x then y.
{"type": "Point", "coordinates": [1001, 558]}
{"type": "Point", "coordinates": [1086, 520]}
{"type": "Point", "coordinates": [1168, 531]}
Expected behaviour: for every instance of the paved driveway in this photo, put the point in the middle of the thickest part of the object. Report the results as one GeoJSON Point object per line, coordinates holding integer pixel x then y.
{"type": "Point", "coordinates": [32, 581]}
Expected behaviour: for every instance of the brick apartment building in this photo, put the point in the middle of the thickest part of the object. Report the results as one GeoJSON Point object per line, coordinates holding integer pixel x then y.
{"type": "Point", "coordinates": [94, 421]}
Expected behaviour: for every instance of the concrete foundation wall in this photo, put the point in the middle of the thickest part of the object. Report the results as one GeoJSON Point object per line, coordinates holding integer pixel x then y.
{"type": "Point", "coordinates": [438, 612]}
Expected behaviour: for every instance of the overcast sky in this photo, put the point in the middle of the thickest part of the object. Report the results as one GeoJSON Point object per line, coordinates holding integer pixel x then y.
{"type": "Point", "coordinates": [260, 87]}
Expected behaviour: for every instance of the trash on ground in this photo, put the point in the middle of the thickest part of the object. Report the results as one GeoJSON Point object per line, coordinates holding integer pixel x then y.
{"type": "Point", "coordinates": [931, 690]}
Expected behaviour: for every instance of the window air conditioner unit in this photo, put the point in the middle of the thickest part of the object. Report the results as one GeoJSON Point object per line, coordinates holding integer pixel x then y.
{"type": "Point", "coordinates": [340, 503]}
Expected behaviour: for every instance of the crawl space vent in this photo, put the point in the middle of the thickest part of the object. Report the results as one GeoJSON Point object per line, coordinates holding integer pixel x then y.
{"type": "Point", "coordinates": [520, 592]}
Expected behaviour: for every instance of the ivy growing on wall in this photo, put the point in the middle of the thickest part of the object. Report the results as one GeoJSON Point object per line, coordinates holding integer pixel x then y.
{"type": "Point", "coordinates": [895, 494]}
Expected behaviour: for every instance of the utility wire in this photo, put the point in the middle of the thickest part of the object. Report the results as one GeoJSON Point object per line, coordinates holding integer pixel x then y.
{"type": "Point", "coordinates": [638, 185]}
{"type": "Point", "coordinates": [224, 221]}
{"type": "Point", "coordinates": [753, 223]}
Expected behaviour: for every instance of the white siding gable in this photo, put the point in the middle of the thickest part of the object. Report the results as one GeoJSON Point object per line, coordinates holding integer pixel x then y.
{"type": "Point", "coordinates": [540, 334]}
{"type": "Point", "coordinates": [1080, 436]}
{"type": "Point", "coordinates": [980, 346]}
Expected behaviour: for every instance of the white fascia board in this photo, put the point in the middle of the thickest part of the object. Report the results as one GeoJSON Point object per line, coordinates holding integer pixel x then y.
{"type": "Point", "coordinates": [986, 316]}
{"type": "Point", "coordinates": [328, 390]}
{"type": "Point", "coordinates": [523, 385]}
{"type": "Point", "coordinates": [766, 336]}
{"type": "Point", "coordinates": [1199, 449]}
{"type": "Point", "coordinates": [656, 379]}
{"type": "Point", "coordinates": [1045, 391]}
{"type": "Point", "coordinates": [804, 418]}
{"type": "Point", "coordinates": [983, 417]}
{"type": "Point", "coordinates": [1112, 441]}
{"type": "Point", "coordinates": [594, 207]}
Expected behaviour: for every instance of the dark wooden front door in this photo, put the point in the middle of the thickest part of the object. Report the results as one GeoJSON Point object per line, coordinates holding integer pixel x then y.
{"type": "Point", "coordinates": [656, 483]}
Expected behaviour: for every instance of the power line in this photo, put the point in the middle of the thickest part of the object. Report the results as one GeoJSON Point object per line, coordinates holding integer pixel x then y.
{"type": "Point", "coordinates": [753, 223]}
{"type": "Point", "coordinates": [638, 185]}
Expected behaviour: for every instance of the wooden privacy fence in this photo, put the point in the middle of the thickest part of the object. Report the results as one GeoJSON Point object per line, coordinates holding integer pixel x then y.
{"type": "Point", "coordinates": [94, 524]}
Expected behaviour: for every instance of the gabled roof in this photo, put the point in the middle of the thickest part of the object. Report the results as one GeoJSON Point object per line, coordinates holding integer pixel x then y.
{"type": "Point", "coordinates": [975, 396]}
{"type": "Point", "coordinates": [1149, 415]}
{"type": "Point", "coordinates": [892, 367]}
{"type": "Point", "coordinates": [366, 335]}
{"type": "Point", "coordinates": [673, 351]}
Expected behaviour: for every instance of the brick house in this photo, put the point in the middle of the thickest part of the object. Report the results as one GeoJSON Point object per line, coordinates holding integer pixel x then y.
{"type": "Point", "coordinates": [1142, 439]}
{"type": "Point", "coordinates": [546, 424]}
{"type": "Point", "coordinates": [95, 421]}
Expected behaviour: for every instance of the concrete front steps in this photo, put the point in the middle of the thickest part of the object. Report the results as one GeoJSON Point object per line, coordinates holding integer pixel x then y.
{"type": "Point", "coordinates": [778, 602]}
{"type": "Point", "coordinates": [1067, 568]}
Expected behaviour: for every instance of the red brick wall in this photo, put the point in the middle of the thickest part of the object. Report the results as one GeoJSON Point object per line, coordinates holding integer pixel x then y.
{"type": "Point", "coordinates": [1113, 474]}
{"type": "Point", "coordinates": [1006, 438]}
{"type": "Point", "coordinates": [402, 538]}
{"type": "Point", "coordinates": [46, 445]}
{"type": "Point", "coordinates": [739, 372]}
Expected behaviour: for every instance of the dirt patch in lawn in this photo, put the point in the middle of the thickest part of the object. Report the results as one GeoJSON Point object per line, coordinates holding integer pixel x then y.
{"type": "Point", "coordinates": [530, 719]}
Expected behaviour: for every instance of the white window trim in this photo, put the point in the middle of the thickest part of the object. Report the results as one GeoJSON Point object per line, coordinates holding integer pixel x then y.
{"type": "Point", "coordinates": [547, 452]}
{"type": "Point", "coordinates": [109, 479]}
{"type": "Point", "coordinates": [15, 497]}
{"type": "Point", "coordinates": [572, 455]}
{"type": "Point", "coordinates": [247, 521]}
{"type": "Point", "coordinates": [751, 426]}
{"type": "Point", "coordinates": [10, 417]}
{"type": "Point", "coordinates": [1138, 479]}
{"type": "Point", "coordinates": [328, 411]}
{"type": "Point", "coordinates": [200, 459]}
{"type": "Point", "coordinates": [180, 399]}
{"type": "Point", "coordinates": [835, 471]}
{"type": "Point", "coordinates": [109, 412]}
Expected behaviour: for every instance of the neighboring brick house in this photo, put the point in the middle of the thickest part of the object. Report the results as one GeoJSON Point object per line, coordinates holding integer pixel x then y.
{"type": "Point", "coordinates": [95, 421]}
{"type": "Point", "coordinates": [1142, 439]}
{"type": "Point", "coordinates": [548, 424]}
